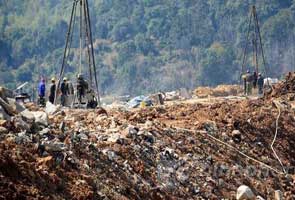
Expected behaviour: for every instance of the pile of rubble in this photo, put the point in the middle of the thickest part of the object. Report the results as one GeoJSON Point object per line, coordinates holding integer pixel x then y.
{"type": "Point", "coordinates": [219, 91]}
{"type": "Point", "coordinates": [285, 87]}
{"type": "Point", "coordinates": [183, 151]}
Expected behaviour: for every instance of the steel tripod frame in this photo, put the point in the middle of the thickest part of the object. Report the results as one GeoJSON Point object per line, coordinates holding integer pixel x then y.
{"type": "Point", "coordinates": [84, 15]}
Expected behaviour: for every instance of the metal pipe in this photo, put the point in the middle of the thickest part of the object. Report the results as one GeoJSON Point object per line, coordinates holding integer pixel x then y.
{"type": "Point", "coordinates": [92, 52]}
{"type": "Point", "coordinates": [65, 51]}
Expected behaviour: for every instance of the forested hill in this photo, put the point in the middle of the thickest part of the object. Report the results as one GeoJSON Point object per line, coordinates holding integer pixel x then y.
{"type": "Point", "coordinates": [145, 45]}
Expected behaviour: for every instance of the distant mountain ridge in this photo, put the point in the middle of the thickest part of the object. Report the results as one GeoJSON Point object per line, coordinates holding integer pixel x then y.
{"type": "Point", "coordinates": [144, 46]}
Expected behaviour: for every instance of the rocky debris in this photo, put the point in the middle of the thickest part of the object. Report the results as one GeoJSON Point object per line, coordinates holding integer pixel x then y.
{"type": "Point", "coordinates": [20, 124]}
{"type": "Point", "coordinates": [163, 152]}
{"type": "Point", "coordinates": [3, 130]}
{"type": "Point", "coordinates": [259, 198]}
{"type": "Point", "coordinates": [51, 108]}
{"type": "Point", "coordinates": [28, 115]}
{"type": "Point", "coordinates": [8, 106]}
{"type": "Point", "coordinates": [284, 87]}
{"type": "Point", "coordinates": [15, 106]}
{"type": "Point", "coordinates": [245, 193]}
{"type": "Point", "coordinates": [236, 136]}
{"type": "Point", "coordinates": [3, 114]}
{"type": "Point", "coordinates": [5, 93]}
{"type": "Point", "coordinates": [219, 91]}
{"type": "Point", "coordinates": [278, 195]}
{"type": "Point", "coordinates": [171, 96]}
{"type": "Point", "coordinates": [41, 118]}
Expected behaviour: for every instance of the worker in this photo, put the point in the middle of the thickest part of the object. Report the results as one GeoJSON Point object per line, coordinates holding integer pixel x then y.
{"type": "Point", "coordinates": [82, 87]}
{"type": "Point", "coordinates": [52, 91]}
{"type": "Point", "coordinates": [249, 82]}
{"type": "Point", "coordinates": [244, 83]}
{"type": "Point", "coordinates": [71, 88]}
{"type": "Point", "coordinates": [64, 88]}
{"type": "Point", "coordinates": [255, 77]}
{"type": "Point", "coordinates": [71, 93]}
{"type": "Point", "coordinates": [91, 99]}
{"type": "Point", "coordinates": [41, 92]}
{"type": "Point", "coordinates": [260, 83]}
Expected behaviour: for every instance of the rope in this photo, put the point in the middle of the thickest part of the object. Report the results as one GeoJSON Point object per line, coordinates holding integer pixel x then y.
{"type": "Point", "coordinates": [87, 42]}
{"type": "Point", "coordinates": [232, 148]}
{"type": "Point", "coordinates": [260, 42]}
{"type": "Point", "coordinates": [246, 47]}
{"type": "Point", "coordinates": [65, 51]}
{"type": "Point", "coordinates": [81, 36]}
{"type": "Point", "coordinates": [92, 53]}
{"type": "Point", "coordinates": [276, 133]}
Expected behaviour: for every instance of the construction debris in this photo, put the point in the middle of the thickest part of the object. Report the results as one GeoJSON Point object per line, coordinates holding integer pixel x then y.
{"type": "Point", "coordinates": [245, 193]}
{"type": "Point", "coordinates": [284, 87]}
{"type": "Point", "coordinates": [174, 151]}
{"type": "Point", "coordinates": [219, 91]}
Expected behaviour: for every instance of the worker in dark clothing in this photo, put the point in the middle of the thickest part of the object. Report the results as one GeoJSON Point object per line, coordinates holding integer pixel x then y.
{"type": "Point", "coordinates": [82, 87]}
{"type": "Point", "coordinates": [64, 89]}
{"type": "Point", "coordinates": [52, 91]}
{"type": "Point", "coordinates": [260, 83]}
{"type": "Point", "coordinates": [255, 77]}
{"type": "Point", "coordinates": [244, 83]}
{"type": "Point", "coordinates": [41, 92]}
{"type": "Point", "coordinates": [249, 82]}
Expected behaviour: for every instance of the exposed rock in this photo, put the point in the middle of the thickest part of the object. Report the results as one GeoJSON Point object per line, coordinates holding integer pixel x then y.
{"type": "Point", "coordinates": [278, 195]}
{"type": "Point", "coordinates": [51, 108]}
{"type": "Point", "coordinates": [22, 138]}
{"type": "Point", "coordinates": [3, 130]}
{"type": "Point", "coordinates": [210, 127]}
{"type": "Point", "coordinates": [245, 193]}
{"type": "Point", "coordinates": [41, 118]}
{"type": "Point", "coordinates": [52, 146]}
{"type": "Point", "coordinates": [3, 114]}
{"type": "Point", "coordinates": [5, 93]}
{"type": "Point", "coordinates": [7, 107]}
{"type": "Point", "coordinates": [260, 198]}
{"type": "Point", "coordinates": [236, 136]}
{"type": "Point", "coordinates": [28, 115]}
{"type": "Point", "coordinates": [115, 138]}
{"type": "Point", "coordinates": [20, 124]}
{"type": "Point", "coordinates": [44, 131]}
{"type": "Point", "coordinates": [15, 105]}
{"type": "Point", "coordinates": [146, 136]}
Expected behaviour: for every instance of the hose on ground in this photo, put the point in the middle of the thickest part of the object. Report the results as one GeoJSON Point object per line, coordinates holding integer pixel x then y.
{"type": "Point", "coordinates": [204, 133]}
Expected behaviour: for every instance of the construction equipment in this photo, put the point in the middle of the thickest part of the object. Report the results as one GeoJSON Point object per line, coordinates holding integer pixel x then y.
{"type": "Point", "coordinates": [81, 8]}
{"type": "Point", "coordinates": [256, 44]}
{"type": "Point", "coordinates": [21, 95]}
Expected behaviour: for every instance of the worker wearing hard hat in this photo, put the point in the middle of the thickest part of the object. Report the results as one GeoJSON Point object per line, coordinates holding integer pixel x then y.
{"type": "Point", "coordinates": [82, 87]}
{"type": "Point", "coordinates": [41, 92]}
{"type": "Point", "coordinates": [260, 83]}
{"type": "Point", "coordinates": [52, 91]}
{"type": "Point", "coordinates": [64, 88]}
{"type": "Point", "coordinates": [249, 82]}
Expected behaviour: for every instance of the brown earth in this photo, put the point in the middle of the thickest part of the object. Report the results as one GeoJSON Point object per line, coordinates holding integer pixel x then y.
{"type": "Point", "coordinates": [163, 152]}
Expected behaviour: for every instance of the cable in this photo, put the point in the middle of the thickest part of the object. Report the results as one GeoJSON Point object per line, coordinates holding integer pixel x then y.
{"type": "Point", "coordinates": [92, 53]}
{"type": "Point", "coordinates": [87, 42]}
{"type": "Point", "coordinates": [276, 133]}
{"type": "Point", "coordinates": [246, 47]}
{"type": "Point", "coordinates": [233, 148]}
{"type": "Point", "coordinates": [261, 45]}
{"type": "Point", "coordinates": [81, 36]}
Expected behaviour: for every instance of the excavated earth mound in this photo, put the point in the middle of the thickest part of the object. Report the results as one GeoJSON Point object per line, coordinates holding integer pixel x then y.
{"type": "Point", "coordinates": [284, 87]}
{"type": "Point", "coordinates": [219, 91]}
{"type": "Point", "coordinates": [180, 151]}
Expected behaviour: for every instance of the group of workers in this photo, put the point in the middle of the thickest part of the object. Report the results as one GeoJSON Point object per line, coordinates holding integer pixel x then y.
{"type": "Point", "coordinates": [253, 80]}
{"type": "Point", "coordinates": [66, 89]}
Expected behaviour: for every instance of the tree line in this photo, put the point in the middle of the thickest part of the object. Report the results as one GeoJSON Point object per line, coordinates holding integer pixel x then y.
{"type": "Point", "coordinates": [144, 46]}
